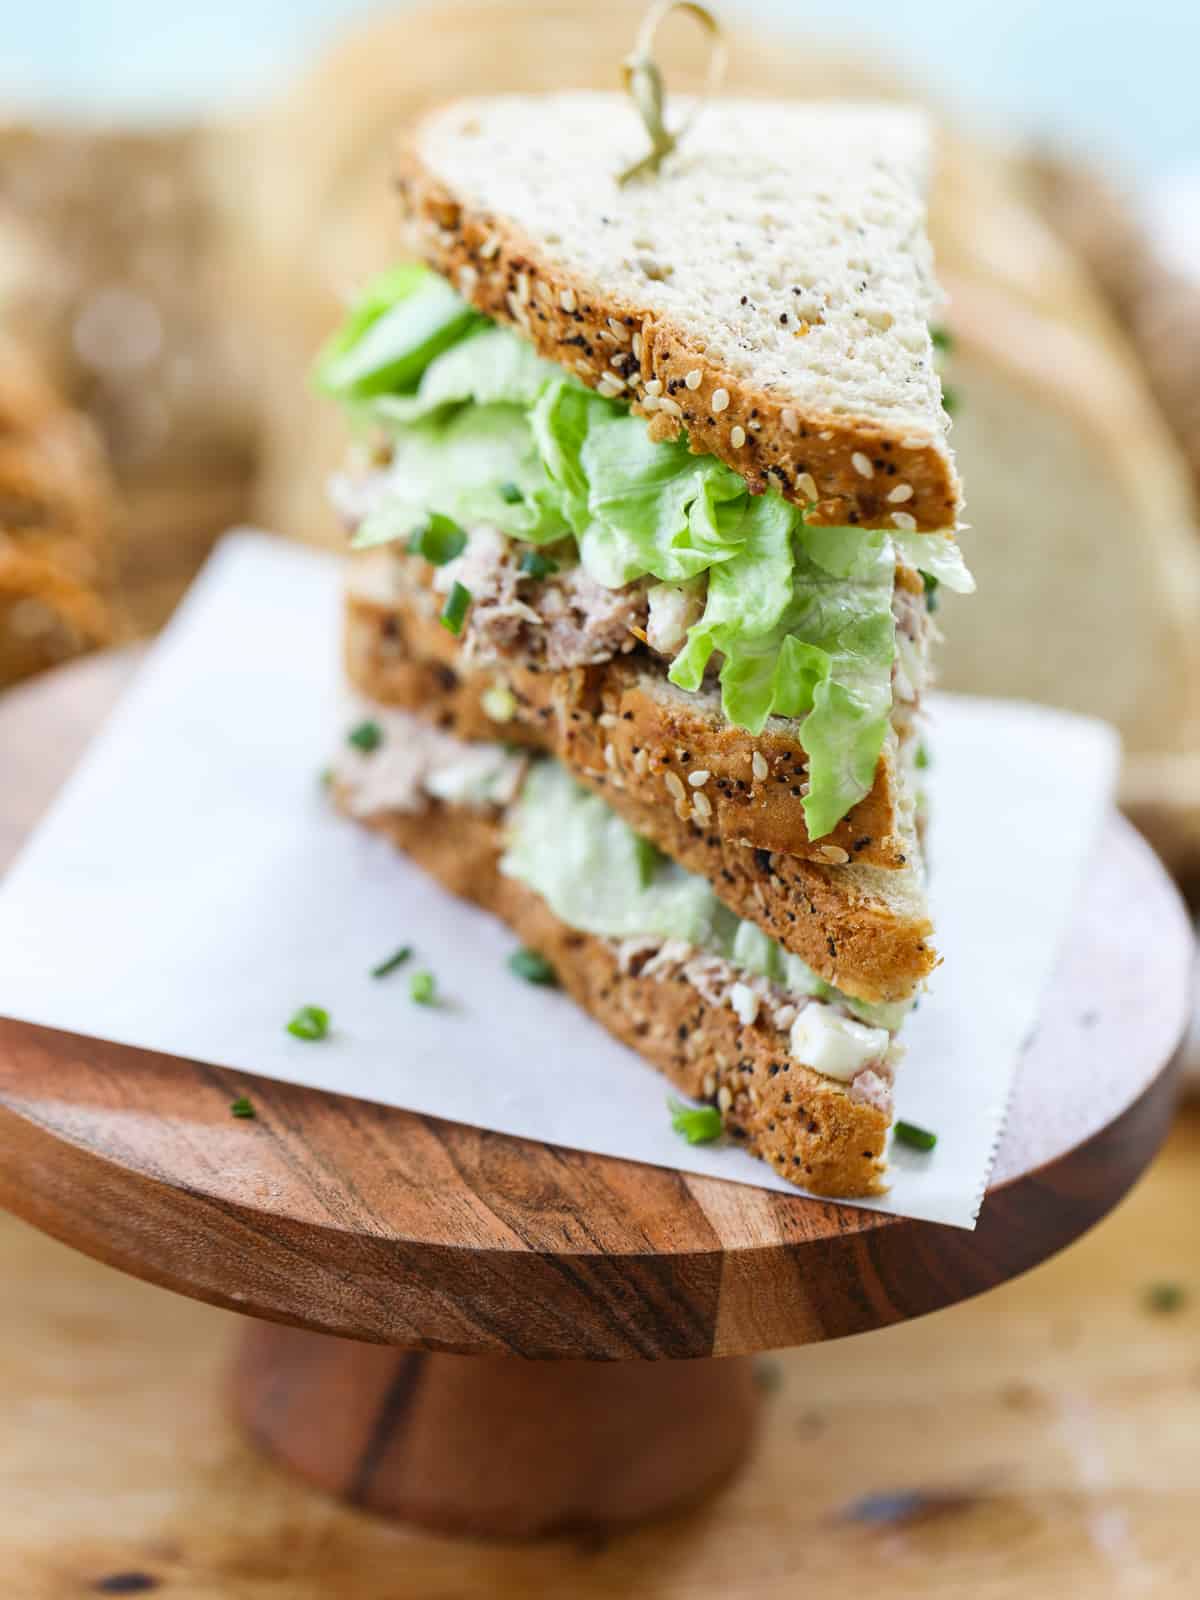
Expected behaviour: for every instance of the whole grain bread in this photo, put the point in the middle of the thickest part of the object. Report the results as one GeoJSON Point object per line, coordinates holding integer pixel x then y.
{"type": "Point", "coordinates": [620, 721]}
{"type": "Point", "coordinates": [769, 290]}
{"type": "Point", "coordinates": [806, 1126]}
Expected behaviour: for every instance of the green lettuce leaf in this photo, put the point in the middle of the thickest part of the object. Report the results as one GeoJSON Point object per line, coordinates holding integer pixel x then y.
{"type": "Point", "coordinates": [591, 868]}
{"type": "Point", "coordinates": [596, 874]}
{"type": "Point", "coordinates": [453, 466]}
{"type": "Point", "coordinates": [403, 321]}
{"type": "Point", "coordinates": [827, 658]}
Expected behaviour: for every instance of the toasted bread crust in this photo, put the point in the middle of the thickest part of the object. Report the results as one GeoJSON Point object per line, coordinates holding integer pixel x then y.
{"type": "Point", "coordinates": [806, 1126]}
{"type": "Point", "coordinates": [602, 722]}
{"type": "Point", "coordinates": [853, 462]}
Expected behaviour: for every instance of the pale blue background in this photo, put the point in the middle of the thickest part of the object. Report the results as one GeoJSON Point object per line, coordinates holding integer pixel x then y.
{"type": "Point", "coordinates": [1119, 77]}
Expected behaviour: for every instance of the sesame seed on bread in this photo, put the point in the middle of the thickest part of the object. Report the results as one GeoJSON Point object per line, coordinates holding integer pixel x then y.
{"type": "Point", "coordinates": [769, 290]}
{"type": "Point", "coordinates": [808, 1127]}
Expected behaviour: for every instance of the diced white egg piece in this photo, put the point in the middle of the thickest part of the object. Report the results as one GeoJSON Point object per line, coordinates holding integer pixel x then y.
{"type": "Point", "coordinates": [744, 1002]}
{"type": "Point", "coordinates": [835, 1046]}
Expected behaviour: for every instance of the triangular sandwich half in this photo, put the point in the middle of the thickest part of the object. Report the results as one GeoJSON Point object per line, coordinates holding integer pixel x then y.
{"type": "Point", "coordinates": [655, 479]}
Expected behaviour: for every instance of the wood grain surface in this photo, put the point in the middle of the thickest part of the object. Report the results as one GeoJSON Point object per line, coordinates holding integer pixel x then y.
{"type": "Point", "coordinates": [495, 1446]}
{"type": "Point", "coordinates": [376, 1224]}
{"type": "Point", "coordinates": [1035, 1441]}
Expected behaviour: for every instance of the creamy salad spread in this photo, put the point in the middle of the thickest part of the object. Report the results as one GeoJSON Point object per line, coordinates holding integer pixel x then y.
{"type": "Point", "coordinates": [599, 876]}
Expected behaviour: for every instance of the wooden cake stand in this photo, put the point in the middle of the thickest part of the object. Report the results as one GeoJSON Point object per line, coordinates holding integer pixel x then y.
{"type": "Point", "coordinates": [479, 1333]}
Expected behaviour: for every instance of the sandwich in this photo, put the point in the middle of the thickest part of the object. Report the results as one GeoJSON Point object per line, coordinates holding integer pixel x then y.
{"type": "Point", "coordinates": [650, 502]}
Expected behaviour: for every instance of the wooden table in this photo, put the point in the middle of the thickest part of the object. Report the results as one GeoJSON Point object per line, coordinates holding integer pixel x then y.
{"type": "Point", "coordinates": [1040, 1439]}
{"type": "Point", "coordinates": [864, 1447]}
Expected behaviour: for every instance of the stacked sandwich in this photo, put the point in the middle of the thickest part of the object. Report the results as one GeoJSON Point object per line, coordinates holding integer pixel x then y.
{"type": "Point", "coordinates": [651, 500]}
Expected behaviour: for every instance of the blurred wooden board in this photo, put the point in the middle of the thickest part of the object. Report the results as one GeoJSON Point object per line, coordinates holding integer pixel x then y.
{"type": "Point", "coordinates": [1041, 1436]}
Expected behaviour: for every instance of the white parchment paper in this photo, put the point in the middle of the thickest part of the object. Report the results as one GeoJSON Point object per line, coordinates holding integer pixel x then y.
{"type": "Point", "coordinates": [190, 889]}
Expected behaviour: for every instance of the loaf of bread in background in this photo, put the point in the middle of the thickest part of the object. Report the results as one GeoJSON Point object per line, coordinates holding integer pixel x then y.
{"type": "Point", "coordinates": [1158, 305]}
{"type": "Point", "coordinates": [109, 270]}
{"type": "Point", "coordinates": [59, 542]}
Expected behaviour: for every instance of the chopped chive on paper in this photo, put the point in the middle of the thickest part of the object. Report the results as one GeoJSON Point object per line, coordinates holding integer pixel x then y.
{"type": "Point", "coordinates": [531, 966]}
{"type": "Point", "coordinates": [242, 1107]}
{"type": "Point", "coordinates": [310, 1022]}
{"type": "Point", "coordinates": [422, 988]}
{"type": "Point", "coordinates": [397, 959]}
{"type": "Point", "coordinates": [915, 1138]}
{"type": "Point", "coordinates": [697, 1124]}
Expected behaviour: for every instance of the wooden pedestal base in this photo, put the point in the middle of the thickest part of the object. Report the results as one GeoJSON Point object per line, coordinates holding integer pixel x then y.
{"type": "Point", "coordinates": [492, 1445]}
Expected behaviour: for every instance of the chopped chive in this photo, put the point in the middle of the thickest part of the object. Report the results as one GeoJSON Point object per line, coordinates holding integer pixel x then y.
{"type": "Point", "coordinates": [366, 737]}
{"type": "Point", "coordinates": [422, 990]}
{"type": "Point", "coordinates": [768, 1374]}
{"type": "Point", "coordinates": [392, 962]}
{"type": "Point", "coordinates": [242, 1107]}
{"type": "Point", "coordinates": [455, 609]}
{"type": "Point", "coordinates": [949, 399]}
{"type": "Point", "coordinates": [310, 1022]}
{"type": "Point", "coordinates": [531, 966]}
{"type": "Point", "coordinates": [439, 539]}
{"type": "Point", "coordinates": [931, 590]}
{"type": "Point", "coordinates": [943, 340]}
{"type": "Point", "coordinates": [697, 1124]}
{"type": "Point", "coordinates": [535, 565]}
{"type": "Point", "coordinates": [921, 761]}
{"type": "Point", "coordinates": [648, 859]}
{"type": "Point", "coordinates": [916, 1138]}
{"type": "Point", "coordinates": [1165, 1298]}
{"type": "Point", "coordinates": [511, 493]}
{"type": "Point", "coordinates": [326, 777]}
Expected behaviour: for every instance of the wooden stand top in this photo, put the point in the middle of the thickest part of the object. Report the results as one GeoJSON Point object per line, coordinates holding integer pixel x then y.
{"type": "Point", "coordinates": [377, 1224]}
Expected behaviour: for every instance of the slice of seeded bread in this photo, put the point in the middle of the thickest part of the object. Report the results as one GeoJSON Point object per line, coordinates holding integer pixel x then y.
{"type": "Point", "coordinates": [620, 721]}
{"type": "Point", "coordinates": [864, 929]}
{"type": "Point", "coordinates": [769, 290]}
{"type": "Point", "coordinates": [807, 1126]}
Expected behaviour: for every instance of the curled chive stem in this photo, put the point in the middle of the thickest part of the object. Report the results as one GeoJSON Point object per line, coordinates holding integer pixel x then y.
{"type": "Point", "coordinates": [643, 81]}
